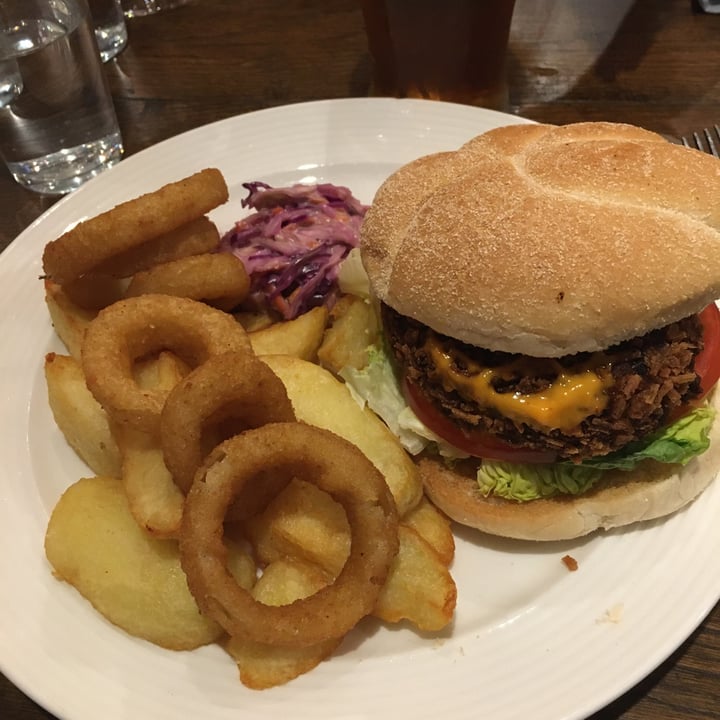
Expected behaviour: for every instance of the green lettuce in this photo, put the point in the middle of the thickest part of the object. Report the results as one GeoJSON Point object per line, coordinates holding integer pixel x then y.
{"type": "Point", "coordinates": [376, 385]}
{"type": "Point", "coordinates": [678, 443]}
{"type": "Point", "coordinates": [515, 481]}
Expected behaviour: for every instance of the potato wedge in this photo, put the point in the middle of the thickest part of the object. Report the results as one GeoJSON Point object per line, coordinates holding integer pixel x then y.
{"type": "Point", "coordinates": [419, 588]}
{"type": "Point", "coordinates": [69, 320]}
{"type": "Point", "coordinates": [164, 370]}
{"type": "Point", "coordinates": [300, 337]}
{"type": "Point", "coordinates": [302, 523]}
{"type": "Point", "coordinates": [265, 666]}
{"type": "Point", "coordinates": [287, 580]}
{"type": "Point", "coordinates": [154, 499]}
{"type": "Point", "coordinates": [319, 399]}
{"type": "Point", "coordinates": [434, 527]}
{"type": "Point", "coordinates": [140, 585]}
{"type": "Point", "coordinates": [257, 319]}
{"type": "Point", "coordinates": [353, 328]}
{"type": "Point", "coordinates": [79, 416]}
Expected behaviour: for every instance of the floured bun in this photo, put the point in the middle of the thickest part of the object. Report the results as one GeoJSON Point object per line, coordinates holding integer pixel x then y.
{"type": "Point", "coordinates": [548, 241]}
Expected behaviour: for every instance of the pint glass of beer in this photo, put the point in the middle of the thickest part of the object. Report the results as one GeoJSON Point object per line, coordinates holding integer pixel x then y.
{"type": "Point", "coordinates": [451, 50]}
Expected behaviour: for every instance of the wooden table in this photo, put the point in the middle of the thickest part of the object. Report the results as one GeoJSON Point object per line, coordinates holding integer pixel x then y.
{"type": "Point", "coordinates": [649, 62]}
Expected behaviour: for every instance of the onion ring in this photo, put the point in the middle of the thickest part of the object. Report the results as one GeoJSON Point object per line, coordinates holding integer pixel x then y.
{"type": "Point", "coordinates": [234, 390]}
{"type": "Point", "coordinates": [94, 291]}
{"type": "Point", "coordinates": [82, 249]}
{"type": "Point", "coordinates": [218, 279]}
{"type": "Point", "coordinates": [336, 466]}
{"type": "Point", "coordinates": [194, 238]}
{"type": "Point", "coordinates": [136, 327]}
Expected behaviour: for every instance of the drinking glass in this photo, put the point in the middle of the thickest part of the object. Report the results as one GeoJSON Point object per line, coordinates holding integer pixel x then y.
{"type": "Point", "coordinates": [451, 50]}
{"type": "Point", "coordinates": [138, 8]}
{"type": "Point", "coordinates": [110, 28]}
{"type": "Point", "coordinates": [58, 126]}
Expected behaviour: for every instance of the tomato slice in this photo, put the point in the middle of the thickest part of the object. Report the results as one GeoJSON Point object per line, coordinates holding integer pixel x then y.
{"type": "Point", "coordinates": [477, 443]}
{"type": "Point", "coordinates": [707, 363]}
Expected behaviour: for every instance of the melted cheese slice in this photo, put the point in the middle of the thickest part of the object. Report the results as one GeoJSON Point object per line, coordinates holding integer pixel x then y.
{"type": "Point", "coordinates": [564, 404]}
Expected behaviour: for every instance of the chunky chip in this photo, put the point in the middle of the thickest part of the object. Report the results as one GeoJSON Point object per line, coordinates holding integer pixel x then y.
{"type": "Point", "coordinates": [133, 580]}
{"type": "Point", "coordinates": [319, 399]}
{"type": "Point", "coordinates": [265, 666]}
{"type": "Point", "coordinates": [433, 527]}
{"type": "Point", "coordinates": [305, 524]}
{"type": "Point", "coordinates": [79, 416]}
{"type": "Point", "coordinates": [300, 337]}
{"type": "Point", "coordinates": [154, 499]}
{"type": "Point", "coordinates": [353, 329]}
{"type": "Point", "coordinates": [69, 320]}
{"type": "Point", "coordinates": [420, 588]}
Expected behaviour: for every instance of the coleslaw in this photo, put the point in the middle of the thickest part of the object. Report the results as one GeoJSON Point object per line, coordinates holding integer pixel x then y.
{"type": "Point", "coordinates": [292, 246]}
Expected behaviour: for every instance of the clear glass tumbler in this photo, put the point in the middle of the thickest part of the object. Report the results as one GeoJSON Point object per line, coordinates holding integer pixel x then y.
{"type": "Point", "coordinates": [58, 126]}
{"type": "Point", "coordinates": [138, 8]}
{"type": "Point", "coordinates": [110, 29]}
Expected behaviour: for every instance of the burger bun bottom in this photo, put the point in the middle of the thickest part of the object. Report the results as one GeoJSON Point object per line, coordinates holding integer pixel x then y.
{"type": "Point", "coordinates": [650, 491]}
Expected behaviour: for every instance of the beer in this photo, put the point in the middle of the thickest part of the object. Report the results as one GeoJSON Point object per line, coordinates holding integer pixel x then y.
{"type": "Point", "coordinates": [451, 50]}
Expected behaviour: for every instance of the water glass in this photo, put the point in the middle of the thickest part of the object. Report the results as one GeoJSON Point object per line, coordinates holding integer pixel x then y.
{"type": "Point", "coordinates": [710, 6]}
{"type": "Point", "coordinates": [138, 8]}
{"type": "Point", "coordinates": [110, 28]}
{"type": "Point", "coordinates": [58, 126]}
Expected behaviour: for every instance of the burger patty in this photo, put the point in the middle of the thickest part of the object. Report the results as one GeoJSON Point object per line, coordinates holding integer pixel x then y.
{"type": "Point", "coordinates": [652, 376]}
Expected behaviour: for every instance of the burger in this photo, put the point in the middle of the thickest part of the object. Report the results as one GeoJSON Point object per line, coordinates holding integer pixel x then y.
{"type": "Point", "coordinates": [550, 336]}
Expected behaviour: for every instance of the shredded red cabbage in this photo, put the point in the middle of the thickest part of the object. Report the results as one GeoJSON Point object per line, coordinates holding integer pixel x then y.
{"type": "Point", "coordinates": [292, 246]}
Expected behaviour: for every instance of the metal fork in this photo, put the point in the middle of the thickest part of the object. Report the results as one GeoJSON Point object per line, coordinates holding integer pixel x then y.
{"type": "Point", "coordinates": [707, 140]}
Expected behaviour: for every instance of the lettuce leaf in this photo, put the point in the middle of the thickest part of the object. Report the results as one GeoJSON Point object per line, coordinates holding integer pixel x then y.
{"type": "Point", "coordinates": [677, 443]}
{"type": "Point", "coordinates": [377, 386]}
{"type": "Point", "coordinates": [515, 481]}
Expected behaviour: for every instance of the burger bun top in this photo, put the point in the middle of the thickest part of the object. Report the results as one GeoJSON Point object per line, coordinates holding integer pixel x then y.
{"type": "Point", "coordinates": [548, 240]}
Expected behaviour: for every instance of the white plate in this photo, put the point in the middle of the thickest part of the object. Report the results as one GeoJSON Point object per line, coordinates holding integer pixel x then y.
{"type": "Point", "coordinates": [530, 640]}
